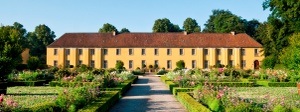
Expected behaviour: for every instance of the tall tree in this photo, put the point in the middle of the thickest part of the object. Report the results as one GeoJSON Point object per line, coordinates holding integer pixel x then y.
{"type": "Point", "coordinates": [222, 21]}
{"type": "Point", "coordinates": [10, 48]}
{"type": "Point", "coordinates": [164, 25]}
{"type": "Point", "coordinates": [39, 40]}
{"type": "Point", "coordinates": [190, 25]}
{"type": "Point", "coordinates": [108, 28]}
{"type": "Point", "coordinates": [124, 30]}
{"type": "Point", "coordinates": [251, 27]}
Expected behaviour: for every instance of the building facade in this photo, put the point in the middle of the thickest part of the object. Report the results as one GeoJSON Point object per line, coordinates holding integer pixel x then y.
{"type": "Point", "coordinates": [197, 50]}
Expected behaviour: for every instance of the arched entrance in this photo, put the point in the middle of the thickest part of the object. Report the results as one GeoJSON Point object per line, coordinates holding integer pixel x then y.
{"type": "Point", "coordinates": [256, 64]}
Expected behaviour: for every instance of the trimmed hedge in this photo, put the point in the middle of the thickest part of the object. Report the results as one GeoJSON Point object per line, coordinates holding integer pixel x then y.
{"type": "Point", "coordinates": [177, 90]}
{"type": "Point", "coordinates": [233, 84]}
{"type": "Point", "coordinates": [27, 83]}
{"type": "Point", "coordinates": [122, 88]}
{"type": "Point", "coordinates": [190, 103]}
{"type": "Point", "coordinates": [171, 85]}
{"type": "Point", "coordinates": [164, 79]}
{"type": "Point", "coordinates": [103, 103]}
{"type": "Point", "coordinates": [71, 84]}
{"type": "Point", "coordinates": [282, 84]}
{"type": "Point", "coordinates": [133, 80]}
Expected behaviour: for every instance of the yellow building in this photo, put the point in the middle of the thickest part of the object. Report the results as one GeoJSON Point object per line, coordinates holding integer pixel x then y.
{"type": "Point", "coordinates": [197, 50]}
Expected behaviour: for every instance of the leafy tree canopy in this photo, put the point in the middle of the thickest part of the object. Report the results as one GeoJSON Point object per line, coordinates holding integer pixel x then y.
{"type": "Point", "coordinates": [164, 25]}
{"type": "Point", "coordinates": [190, 25]}
{"type": "Point", "coordinates": [124, 30]}
{"type": "Point", "coordinates": [108, 28]}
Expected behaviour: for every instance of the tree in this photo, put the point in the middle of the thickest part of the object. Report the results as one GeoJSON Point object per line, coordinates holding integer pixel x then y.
{"type": "Point", "coordinates": [290, 57]}
{"type": "Point", "coordinates": [124, 30]}
{"type": "Point", "coordinates": [108, 28]}
{"type": "Point", "coordinates": [222, 21]}
{"type": "Point", "coordinates": [119, 66]}
{"type": "Point", "coordinates": [164, 25]}
{"type": "Point", "coordinates": [190, 25]}
{"type": "Point", "coordinates": [180, 64]}
{"type": "Point", "coordinates": [33, 63]}
{"type": "Point", "coordinates": [251, 27]}
{"type": "Point", "coordinates": [11, 38]}
{"type": "Point", "coordinates": [39, 40]}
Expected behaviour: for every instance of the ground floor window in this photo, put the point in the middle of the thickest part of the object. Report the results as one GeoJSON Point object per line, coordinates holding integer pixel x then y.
{"type": "Point", "coordinates": [206, 64]}
{"type": "Point", "coordinates": [169, 64]}
{"type": "Point", "coordinates": [130, 64]}
{"type": "Point", "coordinates": [193, 63]}
{"type": "Point", "coordinates": [105, 64]}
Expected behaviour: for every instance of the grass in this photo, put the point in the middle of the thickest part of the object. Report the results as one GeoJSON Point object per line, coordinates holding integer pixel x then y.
{"type": "Point", "coordinates": [33, 90]}
{"type": "Point", "coordinates": [265, 94]}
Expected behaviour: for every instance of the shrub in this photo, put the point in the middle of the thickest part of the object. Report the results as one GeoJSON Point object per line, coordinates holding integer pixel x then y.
{"type": "Point", "coordinates": [138, 72]}
{"type": "Point", "coordinates": [269, 62]}
{"type": "Point", "coordinates": [33, 63]}
{"type": "Point", "coordinates": [161, 72]}
{"type": "Point", "coordinates": [180, 64]}
{"type": "Point", "coordinates": [119, 66]}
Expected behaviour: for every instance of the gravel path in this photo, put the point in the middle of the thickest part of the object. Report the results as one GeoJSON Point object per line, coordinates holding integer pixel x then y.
{"type": "Point", "coordinates": [148, 94]}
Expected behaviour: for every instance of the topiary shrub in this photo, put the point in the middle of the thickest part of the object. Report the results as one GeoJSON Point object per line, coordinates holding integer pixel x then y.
{"type": "Point", "coordinates": [33, 63]}
{"type": "Point", "coordinates": [180, 64]}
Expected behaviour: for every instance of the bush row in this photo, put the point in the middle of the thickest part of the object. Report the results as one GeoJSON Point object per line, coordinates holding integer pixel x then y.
{"type": "Point", "coordinates": [27, 83]}
{"type": "Point", "coordinates": [282, 84]}
{"type": "Point", "coordinates": [71, 84]}
{"type": "Point", "coordinates": [190, 103]}
{"type": "Point", "coordinates": [177, 90]}
{"type": "Point", "coordinates": [171, 85]}
{"type": "Point", "coordinates": [233, 84]}
{"type": "Point", "coordinates": [122, 88]}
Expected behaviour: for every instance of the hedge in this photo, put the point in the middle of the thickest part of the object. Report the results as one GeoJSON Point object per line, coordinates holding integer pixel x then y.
{"type": "Point", "coordinates": [282, 84]}
{"type": "Point", "coordinates": [171, 85]}
{"type": "Point", "coordinates": [133, 80]}
{"type": "Point", "coordinates": [103, 103]}
{"type": "Point", "coordinates": [190, 103]}
{"type": "Point", "coordinates": [71, 84]}
{"type": "Point", "coordinates": [233, 84]}
{"type": "Point", "coordinates": [177, 89]}
{"type": "Point", "coordinates": [164, 79]}
{"type": "Point", "coordinates": [27, 83]}
{"type": "Point", "coordinates": [122, 88]}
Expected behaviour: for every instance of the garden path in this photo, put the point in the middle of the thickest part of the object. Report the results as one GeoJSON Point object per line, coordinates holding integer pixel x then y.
{"type": "Point", "coordinates": [148, 94]}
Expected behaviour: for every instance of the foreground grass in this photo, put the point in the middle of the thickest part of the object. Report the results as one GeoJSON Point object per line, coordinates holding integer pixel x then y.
{"type": "Point", "coordinates": [33, 90]}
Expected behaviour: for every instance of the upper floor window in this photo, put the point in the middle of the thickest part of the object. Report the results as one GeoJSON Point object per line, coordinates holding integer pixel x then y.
{"type": "Point", "coordinates": [155, 51]}
{"type": "Point", "coordinates": [143, 51]}
{"type": "Point", "coordinates": [55, 52]}
{"type": "Point", "coordinates": [105, 51]}
{"type": "Point", "coordinates": [256, 52]}
{"type": "Point", "coordinates": [230, 52]}
{"type": "Point", "coordinates": [67, 51]}
{"type": "Point", "coordinates": [130, 51]}
{"type": "Point", "coordinates": [243, 52]}
{"type": "Point", "coordinates": [205, 51]}
{"type": "Point", "coordinates": [193, 51]}
{"type": "Point", "coordinates": [181, 51]}
{"type": "Point", "coordinates": [118, 51]}
{"type": "Point", "coordinates": [218, 51]}
{"type": "Point", "coordinates": [80, 51]}
{"type": "Point", "coordinates": [92, 51]}
{"type": "Point", "coordinates": [169, 51]}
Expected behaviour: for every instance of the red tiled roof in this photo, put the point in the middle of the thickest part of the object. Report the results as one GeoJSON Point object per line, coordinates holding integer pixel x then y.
{"type": "Point", "coordinates": [165, 40]}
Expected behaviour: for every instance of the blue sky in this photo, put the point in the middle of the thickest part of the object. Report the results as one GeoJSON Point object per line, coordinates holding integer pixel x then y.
{"type": "Point", "coordinates": [64, 16]}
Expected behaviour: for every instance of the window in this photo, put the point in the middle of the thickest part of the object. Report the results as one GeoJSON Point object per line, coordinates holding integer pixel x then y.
{"type": "Point", "coordinates": [105, 51]}
{"type": "Point", "coordinates": [243, 63]}
{"type": "Point", "coordinates": [105, 64]}
{"type": "Point", "coordinates": [80, 51]}
{"type": "Point", "coordinates": [79, 62]}
{"type": "Point", "coordinates": [67, 63]}
{"type": "Point", "coordinates": [130, 51]}
{"type": "Point", "coordinates": [181, 51]}
{"type": "Point", "coordinates": [55, 63]}
{"type": "Point", "coordinates": [92, 51]}
{"type": "Point", "coordinates": [55, 52]}
{"type": "Point", "coordinates": [205, 51]}
{"type": "Point", "coordinates": [193, 52]}
{"type": "Point", "coordinates": [230, 63]}
{"type": "Point", "coordinates": [155, 51]}
{"type": "Point", "coordinates": [206, 64]}
{"type": "Point", "coordinates": [169, 51]}
{"type": "Point", "coordinates": [156, 62]}
{"type": "Point", "coordinates": [92, 63]}
{"type": "Point", "coordinates": [230, 52]}
{"type": "Point", "coordinates": [218, 51]}
{"type": "Point", "coordinates": [67, 51]}
{"type": "Point", "coordinates": [130, 64]}
{"type": "Point", "coordinates": [243, 52]}
{"type": "Point", "coordinates": [169, 64]}
{"type": "Point", "coordinates": [143, 63]}
{"type": "Point", "coordinates": [193, 63]}
{"type": "Point", "coordinates": [143, 51]}
{"type": "Point", "coordinates": [118, 51]}
{"type": "Point", "coordinates": [255, 52]}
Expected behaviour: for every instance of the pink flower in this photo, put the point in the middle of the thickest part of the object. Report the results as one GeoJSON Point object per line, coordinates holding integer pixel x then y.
{"type": "Point", "coordinates": [1, 98]}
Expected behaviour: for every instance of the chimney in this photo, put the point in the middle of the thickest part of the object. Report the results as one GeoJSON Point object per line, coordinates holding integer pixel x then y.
{"type": "Point", "coordinates": [185, 33]}
{"type": "Point", "coordinates": [114, 33]}
{"type": "Point", "coordinates": [232, 32]}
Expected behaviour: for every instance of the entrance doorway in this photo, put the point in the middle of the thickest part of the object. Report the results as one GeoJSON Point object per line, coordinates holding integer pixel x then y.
{"type": "Point", "coordinates": [256, 64]}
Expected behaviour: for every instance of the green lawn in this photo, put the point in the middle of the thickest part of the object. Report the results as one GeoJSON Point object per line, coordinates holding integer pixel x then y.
{"type": "Point", "coordinates": [33, 90]}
